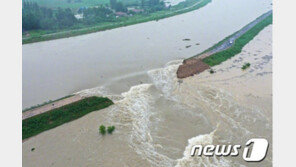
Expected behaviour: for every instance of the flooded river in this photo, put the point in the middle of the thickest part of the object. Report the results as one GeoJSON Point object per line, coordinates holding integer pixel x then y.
{"type": "Point", "coordinates": [158, 118]}
{"type": "Point", "coordinates": [112, 58]}
{"type": "Point", "coordinates": [158, 123]}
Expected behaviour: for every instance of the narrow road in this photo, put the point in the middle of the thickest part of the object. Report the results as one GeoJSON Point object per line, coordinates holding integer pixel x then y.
{"type": "Point", "coordinates": [50, 106]}
{"type": "Point", "coordinates": [195, 65]}
{"type": "Point", "coordinates": [228, 43]}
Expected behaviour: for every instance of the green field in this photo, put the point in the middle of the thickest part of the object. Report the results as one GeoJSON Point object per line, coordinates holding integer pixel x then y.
{"type": "Point", "coordinates": [75, 4]}
{"type": "Point", "coordinates": [183, 7]}
{"type": "Point", "coordinates": [239, 43]}
{"type": "Point", "coordinates": [56, 117]}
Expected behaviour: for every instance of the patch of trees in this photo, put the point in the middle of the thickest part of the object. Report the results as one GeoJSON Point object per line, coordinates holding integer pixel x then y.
{"type": "Point", "coordinates": [148, 5]}
{"type": "Point", "coordinates": [97, 15]}
{"type": "Point", "coordinates": [156, 5]}
{"type": "Point", "coordinates": [117, 6]}
{"type": "Point", "coordinates": [35, 17]}
{"type": "Point", "coordinates": [152, 5]}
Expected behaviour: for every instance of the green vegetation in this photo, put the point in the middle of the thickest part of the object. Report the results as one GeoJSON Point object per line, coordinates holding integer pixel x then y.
{"type": "Point", "coordinates": [47, 102]}
{"type": "Point", "coordinates": [102, 129]}
{"type": "Point", "coordinates": [76, 4]}
{"type": "Point", "coordinates": [212, 71]}
{"type": "Point", "coordinates": [51, 119]}
{"type": "Point", "coordinates": [240, 42]}
{"type": "Point", "coordinates": [100, 19]}
{"type": "Point", "coordinates": [245, 66]}
{"type": "Point", "coordinates": [41, 18]}
{"type": "Point", "coordinates": [110, 129]}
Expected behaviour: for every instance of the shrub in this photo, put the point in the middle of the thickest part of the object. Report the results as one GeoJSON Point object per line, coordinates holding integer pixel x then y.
{"type": "Point", "coordinates": [102, 129]}
{"type": "Point", "coordinates": [110, 129]}
{"type": "Point", "coordinates": [212, 71]}
{"type": "Point", "coordinates": [245, 66]}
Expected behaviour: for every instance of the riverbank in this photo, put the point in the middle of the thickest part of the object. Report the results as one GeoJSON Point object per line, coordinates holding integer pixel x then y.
{"type": "Point", "coordinates": [224, 49]}
{"type": "Point", "coordinates": [51, 118]}
{"type": "Point", "coordinates": [38, 36]}
{"type": "Point", "coordinates": [92, 60]}
{"type": "Point", "coordinates": [47, 106]}
{"type": "Point", "coordinates": [252, 86]}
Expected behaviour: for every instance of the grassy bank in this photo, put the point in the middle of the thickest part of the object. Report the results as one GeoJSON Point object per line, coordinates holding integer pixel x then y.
{"type": "Point", "coordinates": [51, 119]}
{"type": "Point", "coordinates": [183, 7]}
{"type": "Point", "coordinates": [239, 43]}
{"type": "Point", "coordinates": [75, 4]}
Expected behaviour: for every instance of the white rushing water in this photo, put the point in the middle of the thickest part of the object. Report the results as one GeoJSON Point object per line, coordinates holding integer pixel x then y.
{"type": "Point", "coordinates": [157, 120]}
{"type": "Point", "coordinates": [118, 59]}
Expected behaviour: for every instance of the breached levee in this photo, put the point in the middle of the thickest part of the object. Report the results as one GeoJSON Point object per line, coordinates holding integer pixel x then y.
{"type": "Point", "coordinates": [191, 67]}
{"type": "Point", "coordinates": [158, 123]}
{"type": "Point", "coordinates": [225, 49]}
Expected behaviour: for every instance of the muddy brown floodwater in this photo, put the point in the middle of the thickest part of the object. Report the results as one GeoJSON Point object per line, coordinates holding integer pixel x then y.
{"type": "Point", "coordinates": [157, 123]}
{"type": "Point", "coordinates": [117, 59]}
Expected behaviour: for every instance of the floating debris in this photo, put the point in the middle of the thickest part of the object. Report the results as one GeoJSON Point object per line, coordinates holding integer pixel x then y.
{"type": "Point", "coordinates": [186, 39]}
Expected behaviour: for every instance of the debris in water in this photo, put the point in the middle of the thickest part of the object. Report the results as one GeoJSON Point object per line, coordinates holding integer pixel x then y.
{"type": "Point", "coordinates": [186, 39]}
{"type": "Point", "coordinates": [188, 46]}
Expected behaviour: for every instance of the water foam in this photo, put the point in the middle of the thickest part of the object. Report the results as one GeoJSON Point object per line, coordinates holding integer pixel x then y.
{"type": "Point", "coordinates": [99, 91]}
{"type": "Point", "coordinates": [134, 109]}
{"type": "Point", "coordinates": [165, 79]}
{"type": "Point", "coordinates": [134, 112]}
{"type": "Point", "coordinates": [204, 139]}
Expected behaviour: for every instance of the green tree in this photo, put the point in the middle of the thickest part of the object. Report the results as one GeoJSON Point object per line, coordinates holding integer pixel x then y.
{"type": "Point", "coordinates": [142, 3]}
{"type": "Point", "coordinates": [35, 17]}
{"type": "Point", "coordinates": [110, 129]}
{"type": "Point", "coordinates": [120, 8]}
{"type": "Point", "coordinates": [102, 129]}
{"type": "Point", "coordinates": [113, 4]}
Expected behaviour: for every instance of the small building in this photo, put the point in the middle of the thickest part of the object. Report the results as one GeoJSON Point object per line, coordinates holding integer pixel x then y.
{"type": "Point", "coordinates": [131, 7]}
{"type": "Point", "coordinates": [121, 14]}
{"type": "Point", "coordinates": [137, 10]}
{"type": "Point", "coordinates": [79, 16]}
